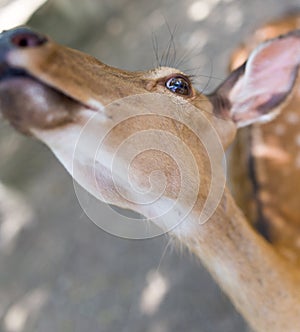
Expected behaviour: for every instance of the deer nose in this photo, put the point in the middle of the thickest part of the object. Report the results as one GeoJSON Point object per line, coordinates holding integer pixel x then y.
{"type": "Point", "coordinates": [24, 37]}
{"type": "Point", "coordinates": [21, 37]}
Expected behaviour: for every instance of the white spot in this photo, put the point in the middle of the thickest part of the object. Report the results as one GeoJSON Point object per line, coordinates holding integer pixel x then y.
{"type": "Point", "coordinates": [292, 117]}
{"type": "Point", "coordinates": [154, 293]}
{"type": "Point", "coordinates": [297, 161]}
{"type": "Point", "coordinates": [49, 117]}
{"type": "Point", "coordinates": [298, 139]}
{"type": "Point", "coordinates": [265, 196]}
{"type": "Point", "coordinates": [199, 10]}
{"type": "Point", "coordinates": [279, 129]}
{"type": "Point", "coordinates": [297, 242]}
{"type": "Point", "coordinates": [96, 104]}
{"type": "Point", "coordinates": [271, 152]}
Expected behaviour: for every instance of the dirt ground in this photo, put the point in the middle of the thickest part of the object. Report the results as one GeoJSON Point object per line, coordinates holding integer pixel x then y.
{"type": "Point", "coordinates": [59, 272]}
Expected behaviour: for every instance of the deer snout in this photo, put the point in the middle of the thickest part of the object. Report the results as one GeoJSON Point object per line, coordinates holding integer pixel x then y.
{"type": "Point", "coordinates": [13, 40]}
{"type": "Point", "coordinates": [25, 100]}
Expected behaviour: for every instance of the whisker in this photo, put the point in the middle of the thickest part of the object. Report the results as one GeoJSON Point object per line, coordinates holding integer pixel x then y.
{"type": "Point", "coordinates": [186, 56]}
{"type": "Point", "coordinates": [209, 76]}
{"type": "Point", "coordinates": [156, 49]}
{"type": "Point", "coordinates": [168, 245]}
{"type": "Point", "coordinates": [196, 77]}
{"type": "Point", "coordinates": [172, 45]}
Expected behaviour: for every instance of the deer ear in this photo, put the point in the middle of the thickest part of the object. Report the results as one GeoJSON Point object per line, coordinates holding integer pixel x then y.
{"type": "Point", "coordinates": [256, 91]}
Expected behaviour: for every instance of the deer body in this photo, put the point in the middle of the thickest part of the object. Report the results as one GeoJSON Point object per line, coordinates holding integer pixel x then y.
{"type": "Point", "coordinates": [268, 155]}
{"type": "Point", "coordinates": [67, 99]}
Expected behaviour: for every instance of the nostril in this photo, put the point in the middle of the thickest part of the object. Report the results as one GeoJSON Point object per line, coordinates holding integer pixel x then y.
{"type": "Point", "coordinates": [28, 39]}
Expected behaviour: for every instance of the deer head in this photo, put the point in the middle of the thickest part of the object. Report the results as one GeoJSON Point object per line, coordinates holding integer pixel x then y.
{"type": "Point", "coordinates": [51, 92]}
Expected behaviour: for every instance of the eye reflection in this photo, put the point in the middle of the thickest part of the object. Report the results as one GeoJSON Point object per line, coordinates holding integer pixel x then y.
{"type": "Point", "coordinates": [178, 85]}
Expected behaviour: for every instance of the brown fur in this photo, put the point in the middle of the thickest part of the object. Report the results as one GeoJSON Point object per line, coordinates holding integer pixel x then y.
{"type": "Point", "coordinates": [273, 206]}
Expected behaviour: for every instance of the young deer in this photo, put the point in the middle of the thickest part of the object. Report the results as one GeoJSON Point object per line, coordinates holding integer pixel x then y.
{"type": "Point", "coordinates": [67, 99]}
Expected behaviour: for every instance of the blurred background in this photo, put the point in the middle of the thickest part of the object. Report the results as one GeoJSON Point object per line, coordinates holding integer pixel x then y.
{"type": "Point", "coordinates": [58, 271]}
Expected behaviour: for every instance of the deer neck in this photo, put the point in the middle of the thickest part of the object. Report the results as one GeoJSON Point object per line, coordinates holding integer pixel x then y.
{"type": "Point", "coordinates": [237, 255]}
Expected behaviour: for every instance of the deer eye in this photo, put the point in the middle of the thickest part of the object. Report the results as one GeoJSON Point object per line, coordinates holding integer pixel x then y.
{"type": "Point", "coordinates": [179, 85]}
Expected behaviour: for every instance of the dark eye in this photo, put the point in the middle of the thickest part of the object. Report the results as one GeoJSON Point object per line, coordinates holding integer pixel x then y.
{"type": "Point", "coordinates": [179, 85]}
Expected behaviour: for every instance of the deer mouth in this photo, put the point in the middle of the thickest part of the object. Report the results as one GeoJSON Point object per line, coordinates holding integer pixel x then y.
{"type": "Point", "coordinates": [28, 103]}
{"type": "Point", "coordinates": [7, 72]}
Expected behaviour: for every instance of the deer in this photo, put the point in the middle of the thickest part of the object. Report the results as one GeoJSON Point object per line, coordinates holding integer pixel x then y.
{"type": "Point", "coordinates": [84, 111]}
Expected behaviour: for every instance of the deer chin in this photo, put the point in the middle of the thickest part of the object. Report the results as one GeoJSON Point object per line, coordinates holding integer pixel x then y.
{"type": "Point", "coordinates": [27, 103]}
